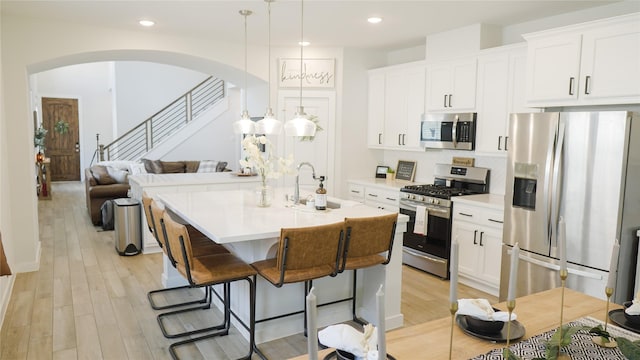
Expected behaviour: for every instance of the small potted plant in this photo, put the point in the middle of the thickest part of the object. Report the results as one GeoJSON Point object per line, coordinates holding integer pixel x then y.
{"type": "Point", "coordinates": [38, 141]}
{"type": "Point", "coordinates": [391, 174]}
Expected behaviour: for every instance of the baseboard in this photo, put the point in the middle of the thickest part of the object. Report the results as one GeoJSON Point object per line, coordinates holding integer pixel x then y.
{"type": "Point", "coordinates": [6, 287]}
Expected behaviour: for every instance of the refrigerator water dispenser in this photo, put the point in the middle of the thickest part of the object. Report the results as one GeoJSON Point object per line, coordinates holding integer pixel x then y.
{"type": "Point", "coordinates": [524, 185]}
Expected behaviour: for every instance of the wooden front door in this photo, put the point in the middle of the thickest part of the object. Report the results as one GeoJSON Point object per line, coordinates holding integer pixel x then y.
{"type": "Point", "coordinates": [63, 148]}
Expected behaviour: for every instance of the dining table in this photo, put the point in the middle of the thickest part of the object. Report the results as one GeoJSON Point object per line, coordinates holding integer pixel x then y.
{"type": "Point", "coordinates": [538, 314]}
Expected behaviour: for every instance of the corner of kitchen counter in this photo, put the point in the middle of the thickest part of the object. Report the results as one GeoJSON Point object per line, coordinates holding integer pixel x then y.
{"type": "Point", "coordinates": [494, 201]}
{"type": "Point", "coordinates": [381, 183]}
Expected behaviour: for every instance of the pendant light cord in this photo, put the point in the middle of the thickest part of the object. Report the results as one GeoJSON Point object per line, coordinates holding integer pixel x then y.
{"type": "Point", "coordinates": [301, 44]}
{"type": "Point", "coordinates": [245, 59]}
{"type": "Point", "coordinates": [269, 52]}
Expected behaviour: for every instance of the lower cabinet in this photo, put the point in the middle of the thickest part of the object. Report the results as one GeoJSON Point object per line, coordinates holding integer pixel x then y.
{"type": "Point", "coordinates": [376, 195]}
{"type": "Point", "coordinates": [478, 230]}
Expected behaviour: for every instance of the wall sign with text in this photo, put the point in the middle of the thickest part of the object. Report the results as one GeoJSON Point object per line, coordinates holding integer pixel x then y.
{"type": "Point", "coordinates": [316, 73]}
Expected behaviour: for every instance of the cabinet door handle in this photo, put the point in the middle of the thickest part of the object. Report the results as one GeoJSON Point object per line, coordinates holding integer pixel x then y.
{"type": "Point", "coordinates": [475, 233]}
{"type": "Point", "coordinates": [379, 138]}
{"type": "Point", "coordinates": [506, 140]}
{"type": "Point", "coordinates": [571, 80]}
{"type": "Point", "coordinates": [373, 195]}
{"type": "Point", "coordinates": [355, 191]}
{"type": "Point", "coordinates": [587, 81]}
{"type": "Point", "coordinates": [481, 233]}
{"type": "Point", "coordinates": [499, 142]}
{"type": "Point", "coordinates": [496, 221]}
{"type": "Point", "coordinates": [445, 100]}
{"type": "Point", "coordinates": [450, 96]}
{"type": "Point", "coordinates": [463, 214]}
{"type": "Point", "coordinates": [391, 199]}
{"type": "Point", "coordinates": [403, 138]}
{"type": "Point", "coordinates": [399, 139]}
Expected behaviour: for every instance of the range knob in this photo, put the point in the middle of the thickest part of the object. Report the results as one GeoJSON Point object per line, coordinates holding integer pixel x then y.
{"type": "Point", "coordinates": [436, 201]}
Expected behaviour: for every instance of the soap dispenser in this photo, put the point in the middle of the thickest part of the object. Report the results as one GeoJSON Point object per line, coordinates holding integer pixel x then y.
{"type": "Point", "coordinates": [321, 196]}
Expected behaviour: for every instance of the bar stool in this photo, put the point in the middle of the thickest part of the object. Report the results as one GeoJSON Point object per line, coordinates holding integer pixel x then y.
{"type": "Point", "coordinates": [366, 241]}
{"type": "Point", "coordinates": [206, 271]}
{"type": "Point", "coordinates": [304, 254]}
{"type": "Point", "coordinates": [202, 244]}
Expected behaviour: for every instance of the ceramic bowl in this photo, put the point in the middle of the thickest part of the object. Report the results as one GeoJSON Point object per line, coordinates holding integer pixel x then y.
{"type": "Point", "coordinates": [484, 326]}
{"type": "Point", "coordinates": [634, 319]}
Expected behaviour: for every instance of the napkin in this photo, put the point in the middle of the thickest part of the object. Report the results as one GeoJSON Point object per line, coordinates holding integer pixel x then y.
{"type": "Point", "coordinates": [634, 309]}
{"type": "Point", "coordinates": [482, 309]}
{"type": "Point", "coordinates": [346, 338]}
{"type": "Point", "coordinates": [420, 226]}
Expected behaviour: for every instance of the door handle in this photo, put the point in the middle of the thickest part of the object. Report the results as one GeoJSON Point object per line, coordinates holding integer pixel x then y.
{"type": "Point", "coordinates": [77, 147]}
{"type": "Point", "coordinates": [481, 233]}
{"type": "Point", "coordinates": [379, 138]}
{"type": "Point", "coordinates": [587, 82]}
{"type": "Point", "coordinates": [506, 139]}
{"type": "Point", "coordinates": [445, 100]}
{"type": "Point", "coordinates": [475, 234]}
{"type": "Point", "coordinates": [450, 96]}
{"type": "Point", "coordinates": [571, 79]}
{"type": "Point", "coordinates": [499, 142]}
{"type": "Point", "coordinates": [399, 139]}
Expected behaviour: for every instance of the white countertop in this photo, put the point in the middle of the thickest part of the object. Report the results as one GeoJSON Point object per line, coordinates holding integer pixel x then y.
{"type": "Point", "coordinates": [151, 180]}
{"type": "Point", "coordinates": [382, 183]}
{"type": "Point", "coordinates": [492, 201]}
{"type": "Point", "coordinates": [232, 216]}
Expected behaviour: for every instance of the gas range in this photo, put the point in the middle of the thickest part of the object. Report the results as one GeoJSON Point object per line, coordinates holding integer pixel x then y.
{"type": "Point", "coordinates": [427, 241]}
{"type": "Point", "coordinates": [449, 181]}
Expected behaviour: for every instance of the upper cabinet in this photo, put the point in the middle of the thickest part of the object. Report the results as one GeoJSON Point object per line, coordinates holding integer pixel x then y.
{"type": "Point", "coordinates": [451, 86]}
{"type": "Point", "coordinates": [501, 91]}
{"type": "Point", "coordinates": [396, 104]}
{"type": "Point", "coordinates": [595, 63]}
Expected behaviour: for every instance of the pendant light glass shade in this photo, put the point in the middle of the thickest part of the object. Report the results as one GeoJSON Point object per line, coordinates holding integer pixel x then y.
{"type": "Point", "coordinates": [245, 125]}
{"type": "Point", "coordinates": [269, 125]}
{"type": "Point", "coordinates": [300, 125]}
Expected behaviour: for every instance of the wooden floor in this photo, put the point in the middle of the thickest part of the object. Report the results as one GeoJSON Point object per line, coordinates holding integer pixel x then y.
{"type": "Point", "coordinates": [87, 302]}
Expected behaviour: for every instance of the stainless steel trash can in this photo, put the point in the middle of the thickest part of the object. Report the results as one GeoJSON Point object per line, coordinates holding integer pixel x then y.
{"type": "Point", "coordinates": [127, 226]}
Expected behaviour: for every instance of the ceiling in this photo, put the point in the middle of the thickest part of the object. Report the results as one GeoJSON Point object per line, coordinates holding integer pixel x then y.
{"type": "Point", "coordinates": [326, 22]}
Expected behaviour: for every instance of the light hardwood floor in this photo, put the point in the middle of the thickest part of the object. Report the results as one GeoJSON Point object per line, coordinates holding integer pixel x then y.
{"type": "Point", "coordinates": [87, 302]}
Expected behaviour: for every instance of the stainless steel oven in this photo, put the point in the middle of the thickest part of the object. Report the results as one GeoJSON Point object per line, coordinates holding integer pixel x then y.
{"type": "Point", "coordinates": [427, 246]}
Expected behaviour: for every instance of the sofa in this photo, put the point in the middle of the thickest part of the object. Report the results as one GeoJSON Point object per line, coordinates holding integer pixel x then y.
{"type": "Point", "coordinates": [101, 186]}
{"type": "Point", "coordinates": [108, 180]}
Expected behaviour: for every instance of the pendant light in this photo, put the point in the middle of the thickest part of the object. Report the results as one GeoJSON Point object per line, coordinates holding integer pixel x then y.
{"type": "Point", "coordinates": [300, 125]}
{"type": "Point", "coordinates": [269, 125]}
{"type": "Point", "coordinates": [245, 125]}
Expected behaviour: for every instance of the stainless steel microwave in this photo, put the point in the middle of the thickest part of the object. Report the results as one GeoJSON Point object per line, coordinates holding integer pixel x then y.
{"type": "Point", "coordinates": [448, 131]}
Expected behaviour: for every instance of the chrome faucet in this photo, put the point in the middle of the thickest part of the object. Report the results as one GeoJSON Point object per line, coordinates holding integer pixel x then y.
{"type": "Point", "coordinates": [296, 194]}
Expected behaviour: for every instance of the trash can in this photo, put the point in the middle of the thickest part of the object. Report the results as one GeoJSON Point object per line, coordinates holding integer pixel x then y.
{"type": "Point", "coordinates": [127, 226]}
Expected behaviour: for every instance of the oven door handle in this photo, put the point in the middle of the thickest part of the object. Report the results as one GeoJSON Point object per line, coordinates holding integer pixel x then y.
{"type": "Point", "coordinates": [424, 256]}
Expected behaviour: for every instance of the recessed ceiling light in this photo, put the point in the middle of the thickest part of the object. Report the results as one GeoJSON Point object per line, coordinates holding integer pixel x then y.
{"type": "Point", "coordinates": [374, 20]}
{"type": "Point", "coordinates": [146, 23]}
{"type": "Point", "coordinates": [304, 43]}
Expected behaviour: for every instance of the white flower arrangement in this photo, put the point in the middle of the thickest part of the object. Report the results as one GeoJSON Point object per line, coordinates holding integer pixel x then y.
{"type": "Point", "coordinates": [265, 164]}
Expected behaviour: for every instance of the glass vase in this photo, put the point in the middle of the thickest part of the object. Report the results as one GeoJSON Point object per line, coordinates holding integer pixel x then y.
{"type": "Point", "coordinates": [264, 195]}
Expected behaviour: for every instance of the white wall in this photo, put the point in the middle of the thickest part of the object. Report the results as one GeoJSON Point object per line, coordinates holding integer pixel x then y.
{"type": "Point", "coordinates": [144, 88]}
{"type": "Point", "coordinates": [89, 83]}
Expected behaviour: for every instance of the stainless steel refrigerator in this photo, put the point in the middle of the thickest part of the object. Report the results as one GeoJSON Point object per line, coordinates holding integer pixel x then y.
{"type": "Point", "coordinates": [585, 167]}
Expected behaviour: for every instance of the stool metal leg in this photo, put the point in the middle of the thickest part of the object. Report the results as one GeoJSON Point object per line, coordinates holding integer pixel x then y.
{"type": "Point", "coordinates": [155, 306]}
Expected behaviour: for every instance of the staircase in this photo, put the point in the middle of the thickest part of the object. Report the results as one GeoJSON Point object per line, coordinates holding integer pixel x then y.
{"type": "Point", "coordinates": [141, 139]}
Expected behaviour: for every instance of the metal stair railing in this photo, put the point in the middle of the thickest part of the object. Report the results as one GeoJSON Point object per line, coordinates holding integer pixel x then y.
{"type": "Point", "coordinates": [136, 142]}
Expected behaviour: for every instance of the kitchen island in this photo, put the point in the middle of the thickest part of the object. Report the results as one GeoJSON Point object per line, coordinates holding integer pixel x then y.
{"type": "Point", "coordinates": [538, 313]}
{"type": "Point", "coordinates": [232, 218]}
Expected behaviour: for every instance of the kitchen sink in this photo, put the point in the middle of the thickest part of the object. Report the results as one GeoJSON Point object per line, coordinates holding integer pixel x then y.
{"type": "Point", "coordinates": [330, 204]}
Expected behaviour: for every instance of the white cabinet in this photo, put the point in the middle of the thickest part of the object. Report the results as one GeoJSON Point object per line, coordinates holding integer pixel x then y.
{"type": "Point", "coordinates": [356, 192]}
{"type": "Point", "coordinates": [376, 110]}
{"type": "Point", "coordinates": [451, 86]}
{"type": "Point", "coordinates": [396, 104]}
{"type": "Point", "coordinates": [595, 63]}
{"type": "Point", "coordinates": [478, 230]}
{"type": "Point", "coordinates": [382, 198]}
{"type": "Point", "coordinates": [375, 193]}
{"type": "Point", "coordinates": [501, 91]}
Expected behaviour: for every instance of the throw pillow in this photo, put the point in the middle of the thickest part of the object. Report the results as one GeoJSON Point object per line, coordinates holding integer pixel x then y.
{"type": "Point", "coordinates": [101, 175]}
{"type": "Point", "coordinates": [152, 166]}
{"type": "Point", "coordinates": [208, 166]}
{"type": "Point", "coordinates": [120, 176]}
{"type": "Point", "coordinates": [192, 166]}
{"type": "Point", "coordinates": [172, 167]}
{"type": "Point", "coordinates": [137, 168]}
{"type": "Point", "coordinates": [221, 166]}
